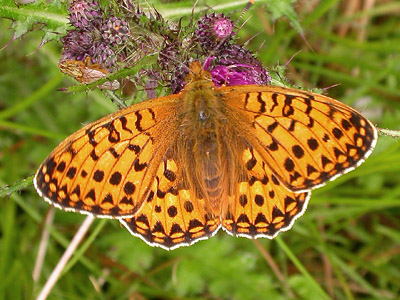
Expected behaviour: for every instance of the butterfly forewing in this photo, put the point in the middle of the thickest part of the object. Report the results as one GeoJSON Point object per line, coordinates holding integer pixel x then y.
{"type": "Point", "coordinates": [106, 168]}
{"type": "Point", "coordinates": [305, 138]}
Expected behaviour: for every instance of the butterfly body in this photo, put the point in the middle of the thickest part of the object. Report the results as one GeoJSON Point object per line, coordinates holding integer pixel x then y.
{"type": "Point", "coordinates": [175, 169]}
{"type": "Point", "coordinates": [201, 127]}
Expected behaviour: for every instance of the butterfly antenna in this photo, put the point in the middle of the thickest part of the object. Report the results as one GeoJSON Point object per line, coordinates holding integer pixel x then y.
{"type": "Point", "coordinates": [241, 26]}
{"type": "Point", "coordinates": [244, 11]}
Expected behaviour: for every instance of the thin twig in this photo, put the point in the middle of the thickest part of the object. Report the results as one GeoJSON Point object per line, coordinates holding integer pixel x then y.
{"type": "Point", "coordinates": [43, 245]}
{"type": "Point", "coordinates": [64, 259]}
{"type": "Point", "coordinates": [270, 261]}
{"type": "Point", "coordinates": [326, 262]}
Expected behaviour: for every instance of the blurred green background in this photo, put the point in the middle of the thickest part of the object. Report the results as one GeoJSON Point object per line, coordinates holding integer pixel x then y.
{"type": "Point", "coordinates": [347, 244]}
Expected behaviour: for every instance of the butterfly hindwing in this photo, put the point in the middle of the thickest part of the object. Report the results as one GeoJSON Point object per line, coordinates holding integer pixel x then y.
{"type": "Point", "coordinates": [261, 206]}
{"type": "Point", "coordinates": [172, 214]}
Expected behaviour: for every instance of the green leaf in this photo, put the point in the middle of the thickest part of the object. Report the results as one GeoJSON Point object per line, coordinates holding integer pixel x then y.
{"type": "Point", "coordinates": [284, 8]}
{"type": "Point", "coordinates": [51, 18]}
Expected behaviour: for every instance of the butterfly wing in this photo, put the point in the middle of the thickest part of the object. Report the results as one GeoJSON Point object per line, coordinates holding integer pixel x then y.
{"type": "Point", "coordinates": [173, 214]}
{"type": "Point", "coordinates": [306, 139]}
{"type": "Point", "coordinates": [106, 168]}
{"type": "Point", "coordinates": [261, 206]}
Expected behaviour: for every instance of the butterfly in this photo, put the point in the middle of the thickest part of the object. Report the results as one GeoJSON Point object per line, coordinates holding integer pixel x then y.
{"type": "Point", "coordinates": [175, 169]}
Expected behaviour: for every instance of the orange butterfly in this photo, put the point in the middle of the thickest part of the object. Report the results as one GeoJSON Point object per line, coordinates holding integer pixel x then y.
{"type": "Point", "coordinates": [175, 169]}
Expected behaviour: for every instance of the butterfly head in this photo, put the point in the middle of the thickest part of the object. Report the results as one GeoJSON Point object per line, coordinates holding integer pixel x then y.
{"type": "Point", "coordinates": [197, 74]}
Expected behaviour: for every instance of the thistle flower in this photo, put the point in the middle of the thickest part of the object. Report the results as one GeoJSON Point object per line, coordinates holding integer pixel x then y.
{"type": "Point", "coordinates": [235, 65]}
{"type": "Point", "coordinates": [104, 55]}
{"type": "Point", "coordinates": [115, 31]}
{"type": "Point", "coordinates": [85, 14]}
{"type": "Point", "coordinates": [177, 81]}
{"type": "Point", "coordinates": [77, 44]}
{"type": "Point", "coordinates": [214, 29]}
{"type": "Point", "coordinates": [228, 63]}
{"type": "Point", "coordinates": [136, 33]}
{"type": "Point", "coordinates": [168, 56]}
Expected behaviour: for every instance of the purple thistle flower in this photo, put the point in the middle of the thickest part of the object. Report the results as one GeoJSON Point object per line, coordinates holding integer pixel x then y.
{"type": "Point", "coordinates": [85, 14]}
{"type": "Point", "coordinates": [107, 40]}
{"type": "Point", "coordinates": [212, 30]}
{"type": "Point", "coordinates": [115, 31]}
{"type": "Point", "coordinates": [235, 65]}
{"type": "Point", "coordinates": [223, 28]}
{"type": "Point", "coordinates": [177, 81]}
{"type": "Point", "coordinates": [236, 75]}
{"type": "Point", "coordinates": [104, 55]}
{"type": "Point", "coordinates": [230, 64]}
{"type": "Point", "coordinates": [77, 44]}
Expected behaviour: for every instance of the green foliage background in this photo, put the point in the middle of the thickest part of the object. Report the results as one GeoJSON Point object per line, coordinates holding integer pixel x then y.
{"type": "Point", "coordinates": [347, 244]}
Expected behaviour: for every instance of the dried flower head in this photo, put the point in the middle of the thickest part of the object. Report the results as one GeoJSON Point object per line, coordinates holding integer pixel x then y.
{"type": "Point", "coordinates": [86, 72]}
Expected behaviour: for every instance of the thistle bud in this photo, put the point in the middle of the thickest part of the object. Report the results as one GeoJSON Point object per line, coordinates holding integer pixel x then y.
{"type": "Point", "coordinates": [103, 55]}
{"type": "Point", "coordinates": [77, 44]}
{"type": "Point", "coordinates": [115, 31]}
{"type": "Point", "coordinates": [214, 29]}
{"type": "Point", "coordinates": [85, 14]}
